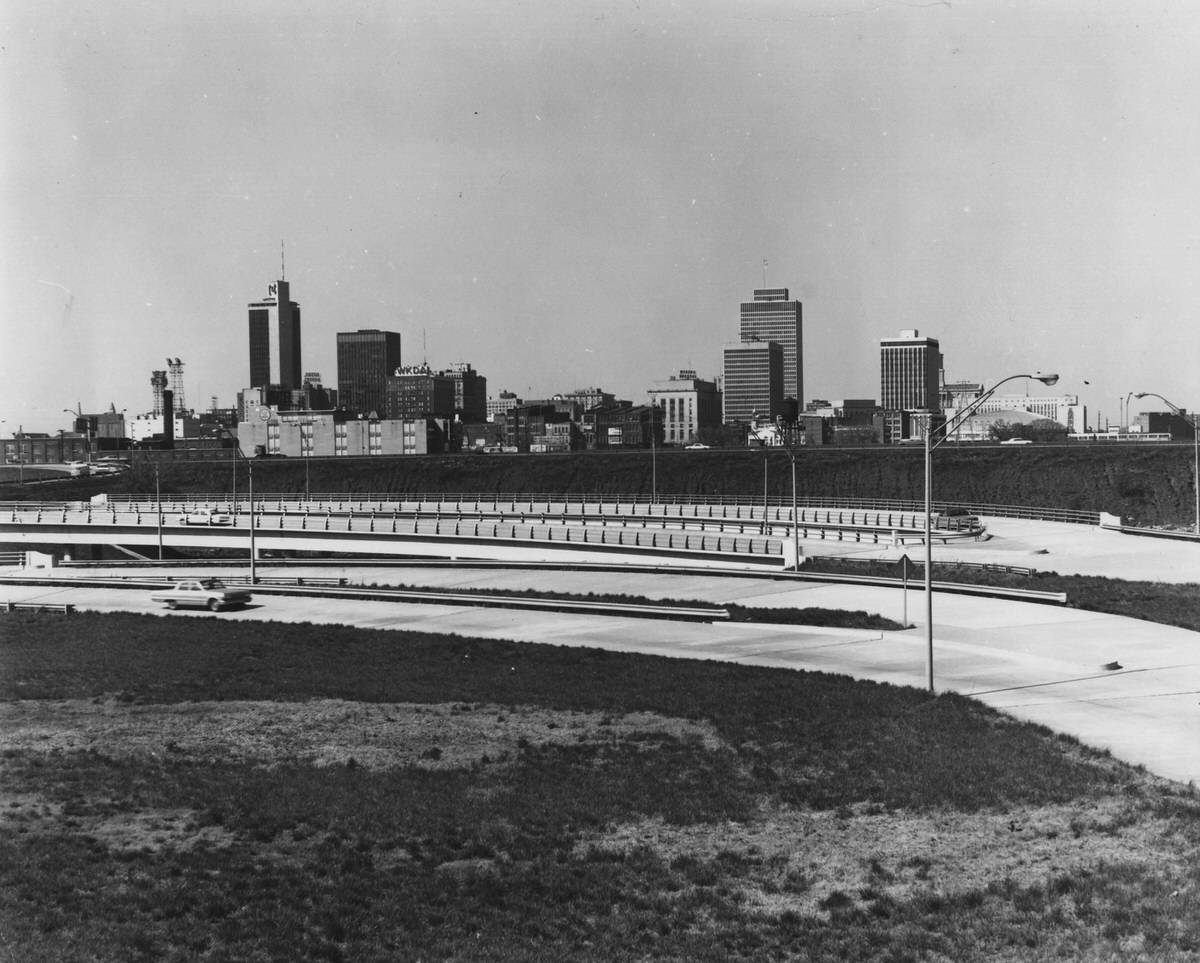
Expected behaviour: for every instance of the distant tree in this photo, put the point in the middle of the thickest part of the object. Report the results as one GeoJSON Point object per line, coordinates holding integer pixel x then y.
{"type": "Point", "coordinates": [1042, 429]}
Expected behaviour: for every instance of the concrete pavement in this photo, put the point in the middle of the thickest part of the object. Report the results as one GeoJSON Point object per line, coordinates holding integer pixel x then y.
{"type": "Point", "coordinates": [1051, 547]}
{"type": "Point", "coordinates": [1039, 663]}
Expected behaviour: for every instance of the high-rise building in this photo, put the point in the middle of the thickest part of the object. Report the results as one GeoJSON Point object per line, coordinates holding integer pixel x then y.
{"type": "Point", "coordinates": [688, 405]}
{"type": "Point", "coordinates": [365, 360]}
{"type": "Point", "coordinates": [753, 381]}
{"type": "Point", "coordinates": [275, 339]}
{"type": "Point", "coordinates": [772, 317]}
{"type": "Point", "coordinates": [909, 373]}
{"type": "Point", "coordinates": [416, 391]}
{"type": "Point", "coordinates": [470, 392]}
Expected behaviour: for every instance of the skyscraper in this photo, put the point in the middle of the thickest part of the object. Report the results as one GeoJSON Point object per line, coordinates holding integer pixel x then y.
{"type": "Point", "coordinates": [772, 317]}
{"type": "Point", "coordinates": [909, 373]}
{"type": "Point", "coordinates": [753, 382]}
{"type": "Point", "coordinates": [275, 340]}
{"type": "Point", "coordinates": [365, 360]}
{"type": "Point", "coordinates": [470, 392]}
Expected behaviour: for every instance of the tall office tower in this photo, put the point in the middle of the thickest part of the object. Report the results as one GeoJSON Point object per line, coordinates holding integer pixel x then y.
{"type": "Point", "coordinates": [772, 317]}
{"type": "Point", "coordinates": [365, 360]}
{"type": "Point", "coordinates": [275, 340]}
{"type": "Point", "coordinates": [909, 369]}
{"type": "Point", "coordinates": [753, 381]}
{"type": "Point", "coordinates": [470, 392]}
{"type": "Point", "coordinates": [416, 391]}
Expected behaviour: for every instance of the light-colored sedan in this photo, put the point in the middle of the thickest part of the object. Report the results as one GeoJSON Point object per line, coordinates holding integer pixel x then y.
{"type": "Point", "coordinates": [201, 593]}
{"type": "Point", "coordinates": [206, 516]}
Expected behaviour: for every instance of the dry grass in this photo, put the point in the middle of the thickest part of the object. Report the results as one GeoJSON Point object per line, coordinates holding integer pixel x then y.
{"type": "Point", "coordinates": [325, 794]}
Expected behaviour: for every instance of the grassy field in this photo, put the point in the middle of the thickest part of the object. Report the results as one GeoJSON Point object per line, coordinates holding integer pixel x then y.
{"type": "Point", "coordinates": [202, 790]}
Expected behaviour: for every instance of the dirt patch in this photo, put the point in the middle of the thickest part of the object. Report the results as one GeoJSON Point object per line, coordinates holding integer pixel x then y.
{"type": "Point", "coordinates": [795, 860]}
{"type": "Point", "coordinates": [144, 830]}
{"type": "Point", "coordinates": [321, 732]}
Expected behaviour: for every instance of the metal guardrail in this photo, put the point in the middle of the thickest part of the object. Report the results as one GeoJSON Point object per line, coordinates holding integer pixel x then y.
{"type": "Point", "coordinates": [737, 518]}
{"type": "Point", "coordinates": [1153, 533]}
{"type": "Point", "coordinates": [953, 588]}
{"type": "Point", "coordinates": [974, 566]}
{"type": "Point", "coordinates": [66, 608]}
{"type": "Point", "coordinates": [363, 501]}
{"type": "Point", "coordinates": [415, 525]}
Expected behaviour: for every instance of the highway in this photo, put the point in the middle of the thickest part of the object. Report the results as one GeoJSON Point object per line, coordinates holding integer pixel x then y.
{"type": "Point", "coordinates": [1040, 663]}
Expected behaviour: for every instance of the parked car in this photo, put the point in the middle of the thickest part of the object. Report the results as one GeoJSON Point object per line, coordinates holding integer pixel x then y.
{"type": "Point", "coordinates": [206, 516]}
{"type": "Point", "coordinates": [201, 593]}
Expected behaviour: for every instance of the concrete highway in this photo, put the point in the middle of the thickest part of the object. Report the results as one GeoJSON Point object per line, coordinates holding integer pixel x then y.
{"type": "Point", "coordinates": [1041, 663]}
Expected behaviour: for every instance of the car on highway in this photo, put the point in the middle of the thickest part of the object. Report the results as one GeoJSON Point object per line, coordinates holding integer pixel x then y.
{"type": "Point", "coordinates": [201, 593]}
{"type": "Point", "coordinates": [206, 516]}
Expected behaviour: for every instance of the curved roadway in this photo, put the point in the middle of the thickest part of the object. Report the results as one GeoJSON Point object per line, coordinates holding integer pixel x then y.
{"type": "Point", "coordinates": [1040, 663]}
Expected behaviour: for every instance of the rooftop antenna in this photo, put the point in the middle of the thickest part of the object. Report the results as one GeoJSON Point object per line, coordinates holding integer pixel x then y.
{"type": "Point", "coordinates": [424, 349]}
{"type": "Point", "coordinates": [282, 263]}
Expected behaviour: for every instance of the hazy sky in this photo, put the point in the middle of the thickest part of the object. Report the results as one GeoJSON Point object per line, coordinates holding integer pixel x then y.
{"type": "Point", "coordinates": [580, 193]}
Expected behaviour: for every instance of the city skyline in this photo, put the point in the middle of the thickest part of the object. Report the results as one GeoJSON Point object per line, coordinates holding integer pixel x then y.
{"type": "Point", "coordinates": [519, 184]}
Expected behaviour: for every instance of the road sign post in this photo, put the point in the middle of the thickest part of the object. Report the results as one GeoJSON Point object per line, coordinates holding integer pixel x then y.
{"type": "Point", "coordinates": [905, 562]}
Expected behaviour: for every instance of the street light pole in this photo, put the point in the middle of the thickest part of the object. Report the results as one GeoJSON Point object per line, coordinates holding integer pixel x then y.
{"type": "Point", "coordinates": [1195, 448]}
{"type": "Point", "coordinates": [237, 452]}
{"type": "Point", "coordinates": [158, 511]}
{"type": "Point", "coordinates": [253, 549]}
{"type": "Point", "coordinates": [946, 429]}
{"type": "Point", "coordinates": [653, 455]}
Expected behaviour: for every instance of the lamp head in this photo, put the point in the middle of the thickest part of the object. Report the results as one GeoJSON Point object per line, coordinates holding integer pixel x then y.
{"type": "Point", "coordinates": [1141, 394]}
{"type": "Point", "coordinates": [1047, 379]}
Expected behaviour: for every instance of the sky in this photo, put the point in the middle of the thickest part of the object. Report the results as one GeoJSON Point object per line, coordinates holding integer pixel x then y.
{"type": "Point", "coordinates": [581, 194]}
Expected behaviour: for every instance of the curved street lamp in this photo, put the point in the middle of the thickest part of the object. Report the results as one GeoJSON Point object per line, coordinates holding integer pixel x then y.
{"type": "Point", "coordinates": [1195, 447]}
{"type": "Point", "coordinates": [237, 449]}
{"type": "Point", "coordinates": [945, 429]}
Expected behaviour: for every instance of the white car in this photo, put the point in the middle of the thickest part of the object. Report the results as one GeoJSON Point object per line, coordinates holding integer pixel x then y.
{"type": "Point", "coordinates": [206, 516]}
{"type": "Point", "coordinates": [202, 593]}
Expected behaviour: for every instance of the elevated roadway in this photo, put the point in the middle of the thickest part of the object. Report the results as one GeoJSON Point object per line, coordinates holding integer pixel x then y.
{"type": "Point", "coordinates": [689, 535]}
